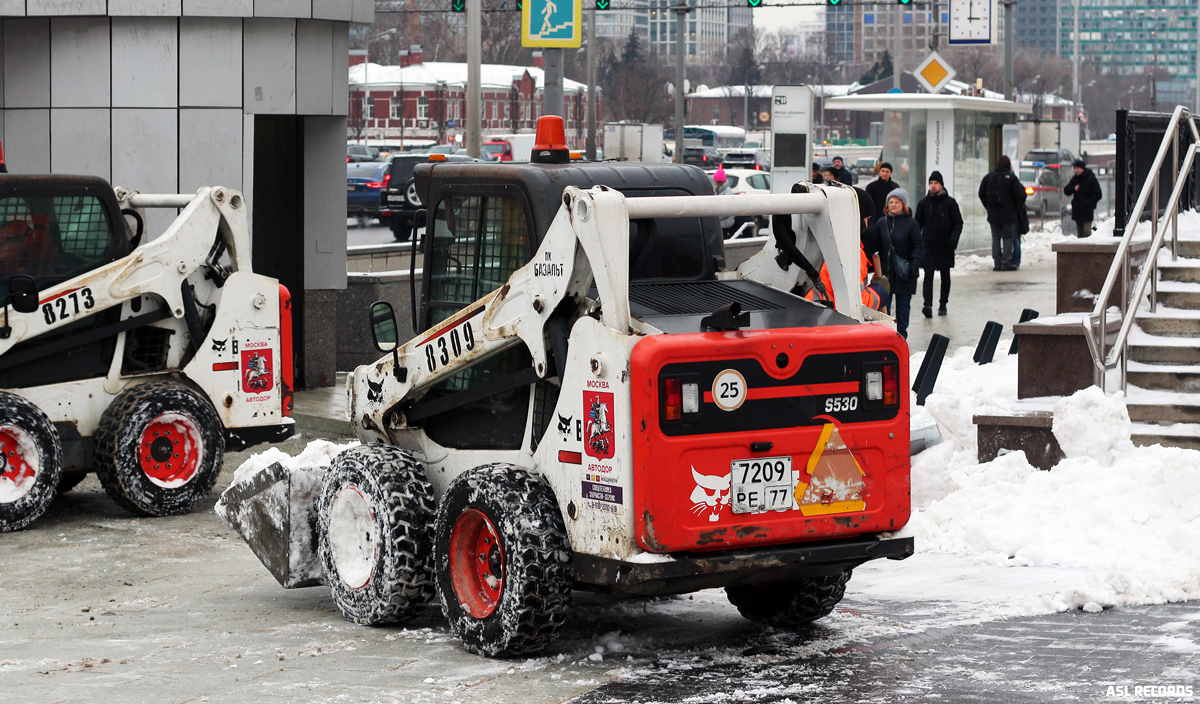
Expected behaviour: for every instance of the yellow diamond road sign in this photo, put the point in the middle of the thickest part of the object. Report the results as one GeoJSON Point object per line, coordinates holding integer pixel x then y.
{"type": "Point", "coordinates": [934, 73]}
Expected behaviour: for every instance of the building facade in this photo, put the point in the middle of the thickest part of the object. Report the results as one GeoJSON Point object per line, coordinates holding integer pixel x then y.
{"type": "Point", "coordinates": [421, 100]}
{"type": "Point", "coordinates": [167, 96]}
{"type": "Point", "coordinates": [710, 29]}
{"type": "Point", "coordinates": [1036, 23]}
{"type": "Point", "coordinates": [862, 34]}
{"type": "Point", "coordinates": [1136, 37]}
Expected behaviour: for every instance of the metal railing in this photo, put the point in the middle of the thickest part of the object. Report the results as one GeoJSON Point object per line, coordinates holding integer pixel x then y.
{"type": "Point", "coordinates": [1120, 272]}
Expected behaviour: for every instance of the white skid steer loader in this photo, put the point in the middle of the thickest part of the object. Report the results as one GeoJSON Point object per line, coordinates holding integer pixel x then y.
{"type": "Point", "coordinates": [580, 414]}
{"type": "Point", "coordinates": [137, 359]}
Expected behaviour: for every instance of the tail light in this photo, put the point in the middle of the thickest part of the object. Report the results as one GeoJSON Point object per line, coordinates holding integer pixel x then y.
{"type": "Point", "coordinates": [891, 385]}
{"type": "Point", "coordinates": [387, 178]}
{"type": "Point", "coordinates": [1028, 190]}
{"type": "Point", "coordinates": [373, 184]}
{"type": "Point", "coordinates": [680, 398]}
{"type": "Point", "coordinates": [286, 369]}
{"type": "Point", "coordinates": [704, 157]}
{"type": "Point", "coordinates": [757, 167]}
{"type": "Point", "coordinates": [673, 408]}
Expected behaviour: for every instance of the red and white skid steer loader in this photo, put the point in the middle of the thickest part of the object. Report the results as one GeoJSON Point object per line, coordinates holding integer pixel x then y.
{"type": "Point", "coordinates": [139, 360]}
{"type": "Point", "coordinates": [594, 404]}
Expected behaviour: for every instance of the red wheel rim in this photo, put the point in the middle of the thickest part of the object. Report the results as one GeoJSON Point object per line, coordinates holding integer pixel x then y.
{"type": "Point", "coordinates": [476, 563]}
{"type": "Point", "coordinates": [171, 450]}
{"type": "Point", "coordinates": [18, 462]}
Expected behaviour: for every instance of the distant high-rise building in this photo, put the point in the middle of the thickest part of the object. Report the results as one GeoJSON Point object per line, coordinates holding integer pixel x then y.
{"type": "Point", "coordinates": [861, 34]}
{"type": "Point", "coordinates": [710, 29]}
{"type": "Point", "coordinates": [1036, 23]}
{"type": "Point", "coordinates": [1134, 37]}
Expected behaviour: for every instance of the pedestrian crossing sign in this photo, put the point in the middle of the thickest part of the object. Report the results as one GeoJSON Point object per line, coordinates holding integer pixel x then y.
{"type": "Point", "coordinates": [552, 24]}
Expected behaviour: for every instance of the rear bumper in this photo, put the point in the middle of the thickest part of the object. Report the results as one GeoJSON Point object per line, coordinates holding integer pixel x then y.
{"type": "Point", "coordinates": [689, 572]}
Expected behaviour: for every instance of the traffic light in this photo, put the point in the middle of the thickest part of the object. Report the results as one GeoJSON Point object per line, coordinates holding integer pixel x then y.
{"type": "Point", "coordinates": [603, 4]}
{"type": "Point", "coordinates": [835, 2]}
{"type": "Point", "coordinates": [754, 3]}
{"type": "Point", "coordinates": [904, 2]}
{"type": "Point", "coordinates": [458, 5]}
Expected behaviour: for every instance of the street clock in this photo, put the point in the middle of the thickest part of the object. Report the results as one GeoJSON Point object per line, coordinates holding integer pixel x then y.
{"type": "Point", "coordinates": [971, 21]}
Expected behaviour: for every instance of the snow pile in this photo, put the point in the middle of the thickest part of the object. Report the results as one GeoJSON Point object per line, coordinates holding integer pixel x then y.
{"type": "Point", "coordinates": [1118, 524]}
{"type": "Point", "coordinates": [1035, 249]}
{"type": "Point", "coordinates": [318, 453]}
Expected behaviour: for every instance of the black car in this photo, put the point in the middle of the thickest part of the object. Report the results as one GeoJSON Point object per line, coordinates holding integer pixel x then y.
{"type": "Point", "coordinates": [704, 157]}
{"type": "Point", "coordinates": [755, 159]}
{"type": "Point", "coordinates": [399, 199]}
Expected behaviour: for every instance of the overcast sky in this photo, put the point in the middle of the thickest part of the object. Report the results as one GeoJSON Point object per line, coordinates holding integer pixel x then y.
{"type": "Point", "coordinates": [775, 18]}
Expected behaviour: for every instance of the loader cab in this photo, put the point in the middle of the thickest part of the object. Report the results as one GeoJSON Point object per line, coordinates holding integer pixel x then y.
{"type": "Point", "coordinates": [53, 229]}
{"type": "Point", "coordinates": [485, 220]}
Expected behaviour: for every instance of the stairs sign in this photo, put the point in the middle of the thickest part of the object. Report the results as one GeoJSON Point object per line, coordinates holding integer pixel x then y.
{"type": "Point", "coordinates": [552, 24]}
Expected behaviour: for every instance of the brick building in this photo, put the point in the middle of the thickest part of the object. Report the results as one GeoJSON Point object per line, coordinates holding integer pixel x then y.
{"type": "Point", "coordinates": [428, 100]}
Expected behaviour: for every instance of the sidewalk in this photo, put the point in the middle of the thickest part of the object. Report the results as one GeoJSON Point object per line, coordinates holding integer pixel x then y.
{"type": "Point", "coordinates": [975, 298]}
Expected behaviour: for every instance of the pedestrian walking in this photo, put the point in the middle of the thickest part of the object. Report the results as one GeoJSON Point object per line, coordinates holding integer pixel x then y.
{"type": "Point", "coordinates": [880, 188]}
{"type": "Point", "coordinates": [721, 188]}
{"type": "Point", "coordinates": [843, 174]}
{"type": "Point", "coordinates": [902, 251]}
{"type": "Point", "coordinates": [941, 225]}
{"type": "Point", "coordinates": [1003, 196]}
{"type": "Point", "coordinates": [1085, 192]}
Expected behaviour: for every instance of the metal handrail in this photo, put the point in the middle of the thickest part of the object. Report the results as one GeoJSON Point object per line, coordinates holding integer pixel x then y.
{"type": "Point", "coordinates": [1096, 327]}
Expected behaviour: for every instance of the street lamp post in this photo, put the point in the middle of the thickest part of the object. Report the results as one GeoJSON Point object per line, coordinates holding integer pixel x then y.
{"type": "Point", "coordinates": [367, 84]}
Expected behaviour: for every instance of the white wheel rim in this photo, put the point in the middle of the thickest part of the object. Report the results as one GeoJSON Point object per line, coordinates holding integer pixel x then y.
{"type": "Point", "coordinates": [20, 464]}
{"type": "Point", "coordinates": [353, 540]}
{"type": "Point", "coordinates": [412, 195]}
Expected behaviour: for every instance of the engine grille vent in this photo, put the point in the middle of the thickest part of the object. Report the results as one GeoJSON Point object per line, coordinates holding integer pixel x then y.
{"type": "Point", "coordinates": [695, 298]}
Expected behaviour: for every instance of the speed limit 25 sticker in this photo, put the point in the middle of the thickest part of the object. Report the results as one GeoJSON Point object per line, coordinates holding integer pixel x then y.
{"type": "Point", "coordinates": [729, 390]}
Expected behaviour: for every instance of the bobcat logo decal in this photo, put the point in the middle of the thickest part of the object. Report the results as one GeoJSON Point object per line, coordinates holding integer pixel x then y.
{"type": "Point", "coordinates": [711, 494]}
{"type": "Point", "coordinates": [374, 392]}
{"type": "Point", "coordinates": [564, 426]}
{"type": "Point", "coordinates": [218, 346]}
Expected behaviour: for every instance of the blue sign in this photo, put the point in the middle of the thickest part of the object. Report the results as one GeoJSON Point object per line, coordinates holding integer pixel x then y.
{"type": "Point", "coordinates": [552, 23]}
{"type": "Point", "coordinates": [452, 123]}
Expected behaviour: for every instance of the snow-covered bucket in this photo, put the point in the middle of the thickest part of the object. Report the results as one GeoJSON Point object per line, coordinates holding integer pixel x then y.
{"type": "Point", "coordinates": [274, 509]}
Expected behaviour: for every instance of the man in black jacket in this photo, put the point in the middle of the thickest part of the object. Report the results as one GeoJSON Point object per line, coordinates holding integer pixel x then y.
{"type": "Point", "coordinates": [1002, 194]}
{"type": "Point", "coordinates": [1084, 189]}
{"type": "Point", "coordinates": [843, 174]}
{"type": "Point", "coordinates": [941, 226]}
{"type": "Point", "coordinates": [880, 188]}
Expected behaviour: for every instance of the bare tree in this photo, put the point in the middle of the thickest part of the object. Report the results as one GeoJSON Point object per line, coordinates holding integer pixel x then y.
{"type": "Point", "coordinates": [634, 84]}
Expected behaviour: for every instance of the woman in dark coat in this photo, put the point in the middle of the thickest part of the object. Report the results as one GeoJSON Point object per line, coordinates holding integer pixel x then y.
{"type": "Point", "coordinates": [941, 225]}
{"type": "Point", "coordinates": [899, 238]}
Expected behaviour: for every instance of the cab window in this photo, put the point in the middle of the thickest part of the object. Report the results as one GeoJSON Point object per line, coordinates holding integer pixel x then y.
{"type": "Point", "coordinates": [54, 238]}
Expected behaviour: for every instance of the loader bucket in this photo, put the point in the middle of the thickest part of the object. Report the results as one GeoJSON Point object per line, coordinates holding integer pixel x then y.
{"type": "Point", "coordinates": [275, 512]}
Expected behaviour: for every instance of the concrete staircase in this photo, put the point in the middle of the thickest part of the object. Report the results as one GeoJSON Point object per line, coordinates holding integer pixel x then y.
{"type": "Point", "coordinates": [1164, 356]}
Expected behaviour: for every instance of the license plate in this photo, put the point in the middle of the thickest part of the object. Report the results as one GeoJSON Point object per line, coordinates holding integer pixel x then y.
{"type": "Point", "coordinates": [762, 484]}
{"type": "Point", "coordinates": [349, 186]}
{"type": "Point", "coordinates": [395, 199]}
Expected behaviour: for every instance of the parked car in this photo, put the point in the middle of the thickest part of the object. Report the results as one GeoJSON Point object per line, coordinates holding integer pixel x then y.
{"type": "Point", "coordinates": [357, 152]}
{"type": "Point", "coordinates": [704, 157]}
{"type": "Point", "coordinates": [399, 199]}
{"type": "Point", "coordinates": [1050, 156]}
{"type": "Point", "coordinates": [1043, 187]}
{"type": "Point", "coordinates": [865, 166]}
{"type": "Point", "coordinates": [755, 159]}
{"type": "Point", "coordinates": [748, 181]}
{"type": "Point", "coordinates": [364, 181]}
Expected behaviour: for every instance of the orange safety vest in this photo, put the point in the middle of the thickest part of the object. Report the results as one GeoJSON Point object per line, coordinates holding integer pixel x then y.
{"type": "Point", "coordinates": [870, 297]}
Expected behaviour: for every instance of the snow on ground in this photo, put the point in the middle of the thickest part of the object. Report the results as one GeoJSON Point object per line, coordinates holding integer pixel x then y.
{"type": "Point", "coordinates": [1035, 248]}
{"type": "Point", "coordinates": [1111, 524]}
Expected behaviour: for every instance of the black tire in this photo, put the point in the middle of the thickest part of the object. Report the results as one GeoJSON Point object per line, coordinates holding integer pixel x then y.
{"type": "Point", "coordinates": [402, 230]}
{"type": "Point", "coordinates": [410, 194]}
{"type": "Point", "coordinates": [30, 462]}
{"type": "Point", "coordinates": [70, 480]}
{"type": "Point", "coordinates": [159, 449]}
{"type": "Point", "coordinates": [790, 604]}
{"type": "Point", "coordinates": [522, 586]}
{"type": "Point", "coordinates": [388, 578]}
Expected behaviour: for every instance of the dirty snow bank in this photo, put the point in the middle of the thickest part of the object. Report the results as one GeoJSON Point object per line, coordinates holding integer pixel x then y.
{"type": "Point", "coordinates": [1035, 249]}
{"type": "Point", "coordinates": [316, 453]}
{"type": "Point", "coordinates": [1111, 524]}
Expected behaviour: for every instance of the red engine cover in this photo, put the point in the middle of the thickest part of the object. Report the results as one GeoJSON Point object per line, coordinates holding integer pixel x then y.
{"type": "Point", "coordinates": [765, 399]}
